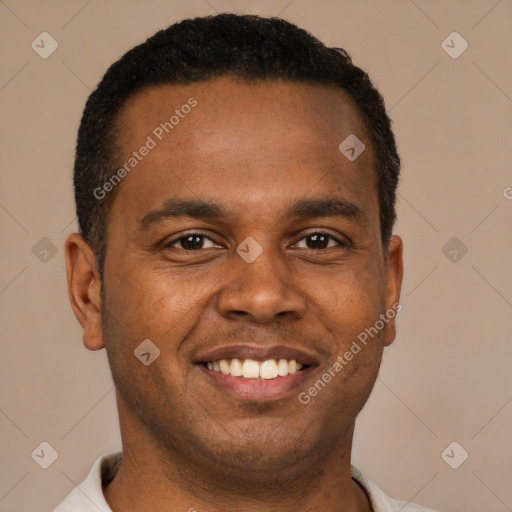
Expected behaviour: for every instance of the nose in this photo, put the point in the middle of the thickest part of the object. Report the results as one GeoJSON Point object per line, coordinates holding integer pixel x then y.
{"type": "Point", "coordinates": [261, 291]}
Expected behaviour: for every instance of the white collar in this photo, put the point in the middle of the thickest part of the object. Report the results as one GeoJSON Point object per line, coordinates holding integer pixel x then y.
{"type": "Point", "coordinates": [88, 496]}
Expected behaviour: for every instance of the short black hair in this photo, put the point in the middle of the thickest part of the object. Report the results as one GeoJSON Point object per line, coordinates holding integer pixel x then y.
{"type": "Point", "coordinates": [249, 47]}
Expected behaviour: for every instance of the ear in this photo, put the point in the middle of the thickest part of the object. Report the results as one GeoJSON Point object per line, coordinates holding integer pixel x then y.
{"type": "Point", "coordinates": [394, 275]}
{"type": "Point", "coordinates": [84, 289]}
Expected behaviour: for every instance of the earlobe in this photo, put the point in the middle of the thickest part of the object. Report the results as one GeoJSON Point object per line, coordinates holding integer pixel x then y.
{"type": "Point", "coordinates": [84, 289]}
{"type": "Point", "coordinates": [394, 275]}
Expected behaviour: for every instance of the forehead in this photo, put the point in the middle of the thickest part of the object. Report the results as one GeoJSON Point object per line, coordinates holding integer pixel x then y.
{"type": "Point", "coordinates": [249, 142]}
{"type": "Point", "coordinates": [307, 107]}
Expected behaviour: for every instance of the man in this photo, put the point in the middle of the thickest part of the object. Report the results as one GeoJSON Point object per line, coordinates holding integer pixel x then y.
{"type": "Point", "coordinates": [235, 186]}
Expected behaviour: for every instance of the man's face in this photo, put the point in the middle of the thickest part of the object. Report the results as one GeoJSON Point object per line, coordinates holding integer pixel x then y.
{"type": "Point", "coordinates": [257, 150]}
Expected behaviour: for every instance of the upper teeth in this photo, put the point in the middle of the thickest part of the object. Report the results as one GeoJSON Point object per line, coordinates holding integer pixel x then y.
{"type": "Point", "coordinates": [252, 369]}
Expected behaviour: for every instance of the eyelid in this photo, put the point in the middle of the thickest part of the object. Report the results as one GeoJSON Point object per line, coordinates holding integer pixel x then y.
{"type": "Point", "coordinates": [185, 234]}
{"type": "Point", "coordinates": [340, 240]}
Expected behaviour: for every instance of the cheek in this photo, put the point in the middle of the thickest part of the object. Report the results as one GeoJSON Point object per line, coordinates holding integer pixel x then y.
{"type": "Point", "coordinates": [357, 344]}
{"type": "Point", "coordinates": [142, 307]}
{"type": "Point", "coordinates": [349, 306]}
{"type": "Point", "coordinates": [153, 304]}
{"type": "Point", "coordinates": [349, 301]}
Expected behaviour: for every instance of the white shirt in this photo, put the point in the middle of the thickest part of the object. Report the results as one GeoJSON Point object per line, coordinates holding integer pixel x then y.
{"type": "Point", "coordinates": [88, 496]}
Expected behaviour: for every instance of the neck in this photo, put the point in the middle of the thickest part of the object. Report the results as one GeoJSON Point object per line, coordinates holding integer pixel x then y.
{"type": "Point", "coordinates": [151, 478]}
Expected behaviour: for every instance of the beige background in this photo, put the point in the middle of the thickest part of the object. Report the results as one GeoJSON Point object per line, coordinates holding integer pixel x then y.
{"type": "Point", "coordinates": [447, 376]}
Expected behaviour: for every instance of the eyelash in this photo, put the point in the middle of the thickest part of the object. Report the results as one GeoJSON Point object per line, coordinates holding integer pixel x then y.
{"type": "Point", "coordinates": [196, 233]}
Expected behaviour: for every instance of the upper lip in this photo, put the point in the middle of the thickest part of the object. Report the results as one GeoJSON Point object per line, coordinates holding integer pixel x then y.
{"type": "Point", "coordinates": [257, 352]}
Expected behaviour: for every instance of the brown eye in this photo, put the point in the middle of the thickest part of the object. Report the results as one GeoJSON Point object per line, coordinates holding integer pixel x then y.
{"type": "Point", "coordinates": [191, 242]}
{"type": "Point", "coordinates": [321, 241]}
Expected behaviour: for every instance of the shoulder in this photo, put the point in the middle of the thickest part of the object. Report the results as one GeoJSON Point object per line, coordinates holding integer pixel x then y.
{"type": "Point", "coordinates": [88, 495]}
{"type": "Point", "coordinates": [380, 501]}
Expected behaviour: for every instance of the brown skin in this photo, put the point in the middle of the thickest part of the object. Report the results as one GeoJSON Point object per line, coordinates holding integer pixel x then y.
{"type": "Point", "coordinates": [256, 148]}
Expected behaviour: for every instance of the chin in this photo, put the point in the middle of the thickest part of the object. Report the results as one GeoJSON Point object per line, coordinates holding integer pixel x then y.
{"type": "Point", "coordinates": [262, 449]}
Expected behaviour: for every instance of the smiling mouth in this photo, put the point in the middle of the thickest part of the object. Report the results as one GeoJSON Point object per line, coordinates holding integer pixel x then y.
{"type": "Point", "coordinates": [253, 369]}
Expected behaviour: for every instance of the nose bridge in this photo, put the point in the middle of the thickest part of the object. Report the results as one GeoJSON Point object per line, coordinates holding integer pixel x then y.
{"type": "Point", "coordinates": [260, 284]}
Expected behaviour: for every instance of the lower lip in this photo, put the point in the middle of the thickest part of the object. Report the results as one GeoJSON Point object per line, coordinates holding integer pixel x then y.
{"type": "Point", "coordinates": [258, 390]}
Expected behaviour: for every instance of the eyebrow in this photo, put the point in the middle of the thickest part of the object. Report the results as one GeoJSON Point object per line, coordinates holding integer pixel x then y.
{"type": "Point", "coordinates": [198, 209]}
